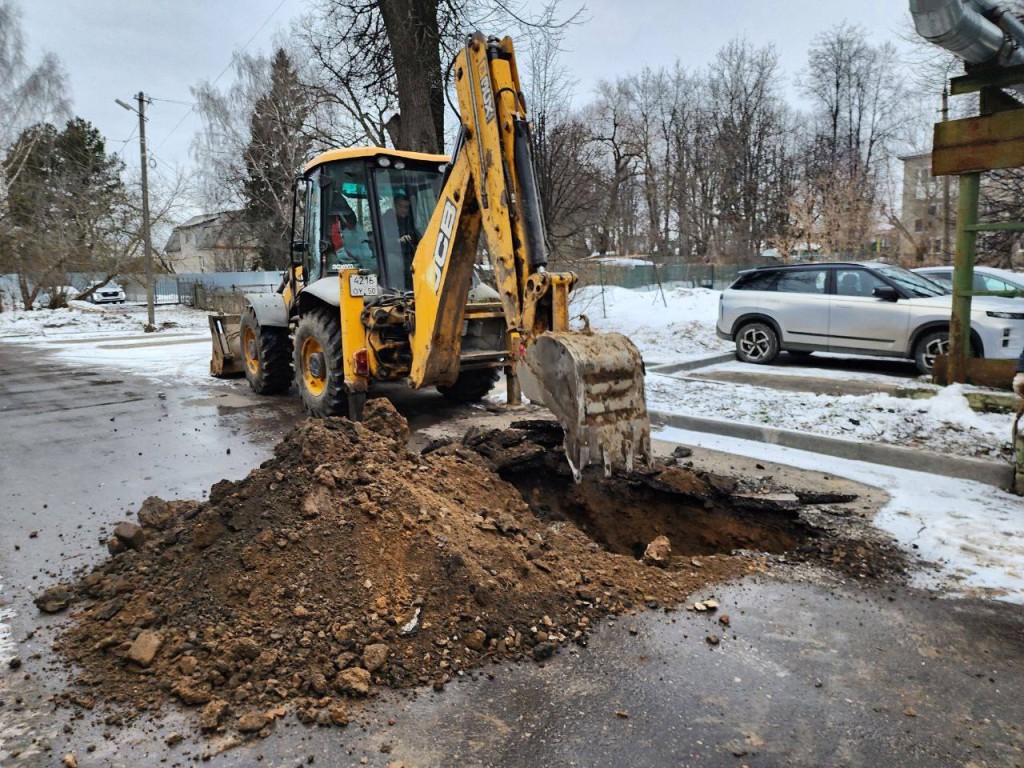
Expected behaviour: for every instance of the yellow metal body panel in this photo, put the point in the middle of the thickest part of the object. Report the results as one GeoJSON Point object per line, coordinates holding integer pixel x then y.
{"type": "Point", "coordinates": [979, 143]}
{"type": "Point", "coordinates": [348, 153]}
{"type": "Point", "coordinates": [479, 198]}
{"type": "Point", "coordinates": [353, 333]}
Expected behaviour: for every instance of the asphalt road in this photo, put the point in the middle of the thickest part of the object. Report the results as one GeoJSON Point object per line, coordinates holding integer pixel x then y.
{"type": "Point", "coordinates": [811, 673]}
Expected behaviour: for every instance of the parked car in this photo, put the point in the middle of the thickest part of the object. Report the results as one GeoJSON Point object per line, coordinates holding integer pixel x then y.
{"type": "Point", "coordinates": [861, 308]}
{"type": "Point", "coordinates": [985, 278]}
{"type": "Point", "coordinates": [111, 293]}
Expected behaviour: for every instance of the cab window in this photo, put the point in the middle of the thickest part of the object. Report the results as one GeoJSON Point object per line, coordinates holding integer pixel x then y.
{"type": "Point", "coordinates": [407, 198]}
{"type": "Point", "coordinates": [345, 227]}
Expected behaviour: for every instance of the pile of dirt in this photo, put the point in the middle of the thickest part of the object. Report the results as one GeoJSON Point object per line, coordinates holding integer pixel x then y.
{"type": "Point", "coordinates": [347, 562]}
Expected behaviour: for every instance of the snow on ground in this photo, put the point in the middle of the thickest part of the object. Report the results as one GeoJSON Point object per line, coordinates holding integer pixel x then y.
{"type": "Point", "coordinates": [683, 330]}
{"type": "Point", "coordinates": [973, 532]}
{"type": "Point", "coordinates": [111, 337]}
{"type": "Point", "coordinates": [944, 423]}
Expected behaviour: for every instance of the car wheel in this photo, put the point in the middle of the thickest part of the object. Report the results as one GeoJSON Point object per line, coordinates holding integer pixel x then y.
{"type": "Point", "coordinates": [757, 343]}
{"type": "Point", "coordinates": [319, 370]}
{"type": "Point", "coordinates": [930, 346]}
{"type": "Point", "coordinates": [267, 355]}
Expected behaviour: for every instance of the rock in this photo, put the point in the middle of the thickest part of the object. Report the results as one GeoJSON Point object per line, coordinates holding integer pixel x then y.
{"type": "Point", "coordinates": [544, 651]}
{"type": "Point", "coordinates": [244, 648]}
{"type": "Point", "coordinates": [212, 714]}
{"type": "Point", "coordinates": [682, 452]}
{"type": "Point", "coordinates": [191, 693]}
{"type": "Point", "coordinates": [251, 722]}
{"type": "Point", "coordinates": [145, 647]}
{"type": "Point", "coordinates": [187, 665]}
{"type": "Point", "coordinates": [506, 523]}
{"type": "Point", "coordinates": [909, 712]}
{"type": "Point", "coordinates": [115, 546]}
{"type": "Point", "coordinates": [658, 552]}
{"type": "Point", "coordinates": [173, 739]}
{"type": "Point", "coordinates": [375, 656]}
{"type": "Point", "coordinates": [54, 599]}
{"type": "Point", "coordinates": [724, 619]}
{"type": "Point", "coordinates": [712, 640]}
{"type": "Point", "coordinates": [14, 663]}
{"type": "Point", "coordinates": [130, 534]}
{"type": "Point", "coordinates": [156, 513]}
{"type": "Point", "coordinates": [475, 640]}
{"type": "Point", "coordinates": [338, 713]}
{"type": "Point", "coordinates": [69, 761]}
{"type": "Point", "coordinates": [355, 681]}
{"type": "Point", "coordinates": [207, 530]}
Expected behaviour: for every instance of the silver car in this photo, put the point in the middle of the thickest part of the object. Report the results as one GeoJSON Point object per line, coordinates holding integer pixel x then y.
{"type": "Point", "coordinates": [985, 278]}
{"type": "Point", "coordinates": [860, 308]}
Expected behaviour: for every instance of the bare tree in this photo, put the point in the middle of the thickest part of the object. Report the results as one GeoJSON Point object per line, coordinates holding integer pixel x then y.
{"type": "Point", "coordinates": [861, 106]}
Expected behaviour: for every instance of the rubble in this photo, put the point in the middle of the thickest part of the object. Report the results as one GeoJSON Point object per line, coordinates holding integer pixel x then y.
{"type": "Point", "coordinates": [347, 563]}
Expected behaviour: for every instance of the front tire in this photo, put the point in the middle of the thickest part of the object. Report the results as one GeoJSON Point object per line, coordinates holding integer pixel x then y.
{"type": "Point", "coordinates": [319, 368]}
{"type": "Point", "coordinates": [757, 343]}
{"type": "Point", "coordinates": [931, 345]}
{"type": "Point", "coordinates": [471, 386]}
{"type": "Point", "coordinates": [267, 355]}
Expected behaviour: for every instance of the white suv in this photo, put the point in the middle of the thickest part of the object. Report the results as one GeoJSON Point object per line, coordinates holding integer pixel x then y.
{"type": "Point", "coordinates": [861, 308]}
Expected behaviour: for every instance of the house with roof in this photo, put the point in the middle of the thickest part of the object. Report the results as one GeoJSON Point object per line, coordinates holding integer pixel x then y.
{"type": "Point", "coordinates": [212, 242]}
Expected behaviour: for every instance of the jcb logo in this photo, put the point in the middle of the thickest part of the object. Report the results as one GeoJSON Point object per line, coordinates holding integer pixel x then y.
{"type": "Point", "coordinates": [444, 239]}
{"type": "Point", "coordinates": [485, 89]}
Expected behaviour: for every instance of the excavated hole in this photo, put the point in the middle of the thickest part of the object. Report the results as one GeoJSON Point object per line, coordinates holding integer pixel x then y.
{"type": "Point", "coordinates": [624, 515]}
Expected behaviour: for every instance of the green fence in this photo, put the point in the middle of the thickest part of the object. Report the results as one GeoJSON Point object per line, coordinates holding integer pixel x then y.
{"type": "Point", "coordinates": [715, 276]}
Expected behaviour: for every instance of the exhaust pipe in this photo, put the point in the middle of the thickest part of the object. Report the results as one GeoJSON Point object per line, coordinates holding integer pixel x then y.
{"type": "Point", "coordinates": [980, 32]}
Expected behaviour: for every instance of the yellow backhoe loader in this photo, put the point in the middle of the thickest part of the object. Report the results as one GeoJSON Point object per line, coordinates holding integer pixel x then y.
{"type": "Point", "coordinates": [384, 286]}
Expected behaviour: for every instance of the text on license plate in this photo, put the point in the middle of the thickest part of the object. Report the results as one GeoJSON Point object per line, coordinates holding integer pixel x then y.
{"type": "Point", "coordinates": [363, 285]}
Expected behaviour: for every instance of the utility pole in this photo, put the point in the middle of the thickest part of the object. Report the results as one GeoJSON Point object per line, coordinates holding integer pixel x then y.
{"type": "Point", "coordinates": [146, 239]}
{"type": "Point", "coordinates": [946, 224]}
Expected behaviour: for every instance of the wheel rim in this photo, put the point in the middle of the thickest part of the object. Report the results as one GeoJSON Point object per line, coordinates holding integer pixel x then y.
{"type": "Point", "coordinates": [252, 353]}
{"type": "Point", "coordinates": [755, 344]}
{"type": "Point", "coordinates": [934, 348]}
{"type": "Point", "coordinates": [314, 367]}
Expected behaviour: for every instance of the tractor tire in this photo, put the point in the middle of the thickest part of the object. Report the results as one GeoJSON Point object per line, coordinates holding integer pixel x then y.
{"type": "Point", "coordinates": [471, 386]}
{"type": "Point", "coordinates": [319, 367]}
{"type": "Point", "coordinates": [267, 354]}
{"type": "Point", "coordinates": [757, 343]}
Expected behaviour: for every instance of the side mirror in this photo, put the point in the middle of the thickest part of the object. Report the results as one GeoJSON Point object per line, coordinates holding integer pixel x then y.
{"type": "Point", "coordinates": [298, 246]}
{"type": "Point", "coordinates": [886, 293]}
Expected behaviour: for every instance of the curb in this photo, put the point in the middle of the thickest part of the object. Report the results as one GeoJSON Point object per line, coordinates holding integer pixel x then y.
{"type": "Point", "coordinates": [994, 473]}
{"type": "Point", "coordinates": [693, 365]}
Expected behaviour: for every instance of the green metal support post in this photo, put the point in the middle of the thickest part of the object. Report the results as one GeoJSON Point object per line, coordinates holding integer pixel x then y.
{"type": "Point", "coordinates": [963, 277]}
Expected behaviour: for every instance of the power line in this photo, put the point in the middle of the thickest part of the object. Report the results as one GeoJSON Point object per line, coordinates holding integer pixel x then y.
{"type": "Point", "coordinates": [224, 71]}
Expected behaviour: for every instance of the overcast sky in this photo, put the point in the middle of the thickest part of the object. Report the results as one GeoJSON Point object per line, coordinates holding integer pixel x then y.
{"type": "Point", "coordinates": [114, 48]}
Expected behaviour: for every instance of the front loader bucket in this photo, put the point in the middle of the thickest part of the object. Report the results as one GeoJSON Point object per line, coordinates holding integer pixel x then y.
{"type": "Point", "coordinates": [594, 384]}
{"type": "Point", "coordinates": [226, 361]}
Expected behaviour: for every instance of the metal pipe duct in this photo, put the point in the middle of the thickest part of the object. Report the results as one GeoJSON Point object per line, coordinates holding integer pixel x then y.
{"type": "Point", "coordinates": [960, 28]}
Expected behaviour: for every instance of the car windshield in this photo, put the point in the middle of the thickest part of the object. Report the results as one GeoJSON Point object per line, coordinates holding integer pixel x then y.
{"type": "Point", "coordinates": [915, 285]}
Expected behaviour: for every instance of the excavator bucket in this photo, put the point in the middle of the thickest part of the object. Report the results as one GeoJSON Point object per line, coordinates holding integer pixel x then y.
{"type": "Point", "coordinates": [226, 361]}
{"type": "Point", "coordinates": [594, 384]}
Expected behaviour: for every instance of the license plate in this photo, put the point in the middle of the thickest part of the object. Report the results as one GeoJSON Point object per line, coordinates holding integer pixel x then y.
{"type": "Point", "coordinates": [363, 285]}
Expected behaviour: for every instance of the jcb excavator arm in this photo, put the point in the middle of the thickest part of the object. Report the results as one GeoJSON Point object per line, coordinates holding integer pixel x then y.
{"type": "Point", "coordinates": [592, 382]}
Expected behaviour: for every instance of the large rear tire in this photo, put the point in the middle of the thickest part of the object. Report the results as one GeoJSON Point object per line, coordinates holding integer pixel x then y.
{"type": "Point", "coordinates": [471, 386]}
{"type": "Point", "coordinates": [267, 354]}
{"type": "Point", "coordinates": [319, 367]}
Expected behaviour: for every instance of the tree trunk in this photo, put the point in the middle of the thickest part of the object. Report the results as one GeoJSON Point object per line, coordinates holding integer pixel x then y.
{"type": "Point", "coordinates": [414, 36]}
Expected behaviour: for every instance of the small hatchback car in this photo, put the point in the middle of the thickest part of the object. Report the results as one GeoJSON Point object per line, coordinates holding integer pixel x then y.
{"type": "Point", "coordinates": [860, 308]}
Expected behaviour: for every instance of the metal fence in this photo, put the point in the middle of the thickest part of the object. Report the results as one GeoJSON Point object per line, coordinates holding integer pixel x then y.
{"type": "Point", "coordinates": [643, 275]}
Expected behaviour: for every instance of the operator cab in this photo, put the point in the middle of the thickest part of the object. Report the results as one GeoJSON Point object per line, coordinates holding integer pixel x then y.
{"type": "Point", "coordinates": [368, 208]}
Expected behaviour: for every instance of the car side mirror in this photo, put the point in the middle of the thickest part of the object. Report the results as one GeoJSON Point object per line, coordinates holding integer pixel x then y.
{"type": "Point", "coordinates": [886, 293]}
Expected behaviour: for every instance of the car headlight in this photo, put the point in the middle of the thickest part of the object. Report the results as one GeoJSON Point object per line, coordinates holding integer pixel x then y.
{"type": "Point", "coordinates": [1006, 315]}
